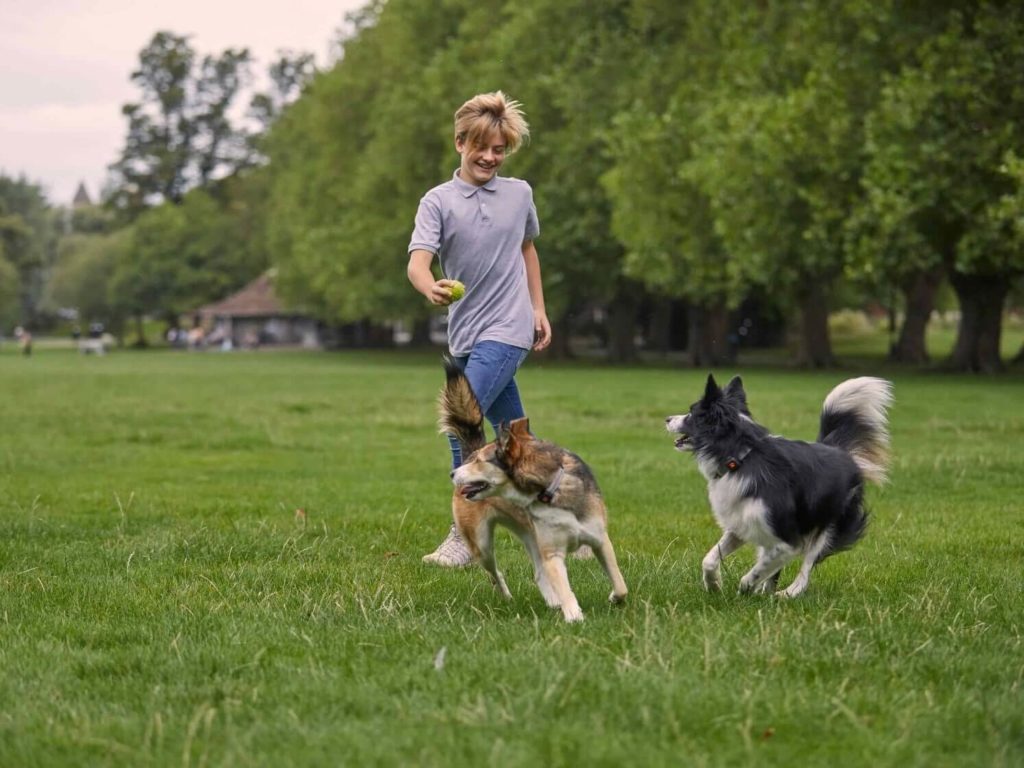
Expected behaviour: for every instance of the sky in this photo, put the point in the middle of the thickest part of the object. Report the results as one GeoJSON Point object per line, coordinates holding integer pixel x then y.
{"type": "Point", "coordinates": [65, 67]}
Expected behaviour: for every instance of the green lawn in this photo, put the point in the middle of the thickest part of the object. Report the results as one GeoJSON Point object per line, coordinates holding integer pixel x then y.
{"type": "Point", "coordinates": [163, 603]}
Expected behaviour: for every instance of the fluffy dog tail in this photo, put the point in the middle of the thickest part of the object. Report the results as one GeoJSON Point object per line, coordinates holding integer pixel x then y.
{"type": "Point", "coordinates": [458, 411]}
{"type": "Point", "coordinates": [854, 418]}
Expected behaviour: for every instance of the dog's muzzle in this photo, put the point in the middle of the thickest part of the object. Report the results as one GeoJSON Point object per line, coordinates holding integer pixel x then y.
{"type": "Point", "coordinates": [677, 425]}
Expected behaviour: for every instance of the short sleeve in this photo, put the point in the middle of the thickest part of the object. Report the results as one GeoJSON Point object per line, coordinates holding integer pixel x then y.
{"type": "Point", "coordinates": [427, 232]}
{"type": "Point", "coordinates": [532, 223]}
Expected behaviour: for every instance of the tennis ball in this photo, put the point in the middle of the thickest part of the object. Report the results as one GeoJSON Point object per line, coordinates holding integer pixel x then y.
{"type": "Point", "coordinates": [458, 290]}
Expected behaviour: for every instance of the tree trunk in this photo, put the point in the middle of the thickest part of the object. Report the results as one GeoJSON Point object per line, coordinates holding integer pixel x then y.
{"type": "Point", "coordinates": [709, 335]}
{"type": "Point", "coordinates": [981, 300]}
{"type": "Point", "coordinates": [919, 292]}
{"type": "Point", "coordinates": [140, 333]}
{"type": "Point", "coordinates": [420, 336]}
{"type": "Point", "coordinates": [815, 350]}
{"type": "Point", "coordinates": [624, 320]}
{"type": "Point", "coordinates": [561, 331]}
{"type": "Point", "coordinates": [622, 327]}
{"type": "Point", "coordinates": [659, 337]}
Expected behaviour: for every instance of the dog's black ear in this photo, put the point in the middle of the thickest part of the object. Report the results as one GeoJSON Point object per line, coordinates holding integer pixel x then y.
{"type": "Point", "coordinates": [734, 391]}
{"type": "Point", "coordinates": [711, 390]}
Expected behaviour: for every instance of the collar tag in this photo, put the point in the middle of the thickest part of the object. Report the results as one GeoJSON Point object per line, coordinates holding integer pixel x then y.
{"type": "Point", "coordinates": [548, 494]}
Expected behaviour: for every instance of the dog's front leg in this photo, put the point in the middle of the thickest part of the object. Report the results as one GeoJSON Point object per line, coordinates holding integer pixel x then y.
{"type": "Point", "coordinates": [485, 544]}
{"type": "Point", "coordinates": [770, 560]}
{"type": "Point", "coordinates": [711, 564]}
{"type": "Point", "coordinates": [554, 567]}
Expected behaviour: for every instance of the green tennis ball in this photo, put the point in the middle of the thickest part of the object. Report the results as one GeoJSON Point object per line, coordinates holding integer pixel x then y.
{"type": "Point", "coordinates": [458, 290]}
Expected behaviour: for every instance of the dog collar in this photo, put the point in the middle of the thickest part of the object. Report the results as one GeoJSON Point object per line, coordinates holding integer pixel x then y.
{"type": "Point", "coordinates": [545, 496]}
{"type": "Point", "coordinates": [734, 462]}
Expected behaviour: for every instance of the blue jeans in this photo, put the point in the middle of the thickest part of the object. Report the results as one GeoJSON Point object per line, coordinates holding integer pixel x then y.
{"type": "Point", "coordinates": [490, 368]}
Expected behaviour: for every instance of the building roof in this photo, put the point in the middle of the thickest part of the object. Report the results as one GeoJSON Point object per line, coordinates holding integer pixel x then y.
{"type": "Point", "coordinates": [81, 196]}
{"type": "Point", "coordinates": [257, 299]}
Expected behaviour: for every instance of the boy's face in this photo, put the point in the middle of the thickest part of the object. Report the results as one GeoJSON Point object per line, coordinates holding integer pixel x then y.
{"type": "Point", "coordinates": [481, 164]}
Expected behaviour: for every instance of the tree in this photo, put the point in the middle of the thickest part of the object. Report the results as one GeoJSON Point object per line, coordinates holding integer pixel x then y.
{"type": "Point", "coordinates": [84, 273]}
{"type": "Point", "coordinates": [289, 74]}
{"type": "Point", "coordinates": [663, 219]}
{"type": "Point", "coordinates": [939, 145]}
{"type": "Point", "coordinates": [179, 134]}
{"type": "Point", "coordinates": [8, 294]}
{"type": "Point", "coordinates": [27, 241]}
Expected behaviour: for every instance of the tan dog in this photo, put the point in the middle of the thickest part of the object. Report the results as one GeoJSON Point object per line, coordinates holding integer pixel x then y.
{"type": "Point", "coordinates": [544, 494]}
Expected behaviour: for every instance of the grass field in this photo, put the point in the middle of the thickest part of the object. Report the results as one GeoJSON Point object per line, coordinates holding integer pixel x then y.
{"type": "Point", "coordinates": [164, 603]}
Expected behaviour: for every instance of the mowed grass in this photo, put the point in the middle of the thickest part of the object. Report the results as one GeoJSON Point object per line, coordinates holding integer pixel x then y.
{"type": "Point", "coordinates": [164, 603]}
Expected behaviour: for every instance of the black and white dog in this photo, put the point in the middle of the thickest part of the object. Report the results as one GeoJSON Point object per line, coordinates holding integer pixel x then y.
{"type": "Point", "coordinates": [787, 497]}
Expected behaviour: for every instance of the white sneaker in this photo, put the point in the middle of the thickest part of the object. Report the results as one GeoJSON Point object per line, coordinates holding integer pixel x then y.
{"type": "Point", "coordinates": [584, 553]}
{"type": "Point", "coordinates": [451, 553]}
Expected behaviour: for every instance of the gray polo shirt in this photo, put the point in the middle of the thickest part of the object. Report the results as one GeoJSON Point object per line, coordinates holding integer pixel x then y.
{"type": "Point", "coordinates": [477, 234]}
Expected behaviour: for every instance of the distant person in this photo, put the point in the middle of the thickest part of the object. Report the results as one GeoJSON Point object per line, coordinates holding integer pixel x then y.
{"type": "Point", "coordinates": [26, 343]}
{"type": "Point", "coordinates": [481, 227]}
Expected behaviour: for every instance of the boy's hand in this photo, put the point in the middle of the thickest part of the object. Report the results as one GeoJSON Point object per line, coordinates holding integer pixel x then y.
{"type": "Point", "coordinates": [541, 331]}
{"type": "Point", "coordinates": [441, 292]}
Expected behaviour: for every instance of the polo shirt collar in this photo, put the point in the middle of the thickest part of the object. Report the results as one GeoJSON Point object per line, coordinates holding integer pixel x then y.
{"type": "Point", "coordinates": [468, 190]}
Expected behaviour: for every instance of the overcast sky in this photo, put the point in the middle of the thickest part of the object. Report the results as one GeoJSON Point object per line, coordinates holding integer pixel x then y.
{"type": "Point", "coordinates": [65, 68]}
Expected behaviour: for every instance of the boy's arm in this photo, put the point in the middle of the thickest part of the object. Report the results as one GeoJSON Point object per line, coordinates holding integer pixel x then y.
{"type": "Point", "coordinates": [541, 326]}
{"type": "Point", "coordinates": [422, 279]}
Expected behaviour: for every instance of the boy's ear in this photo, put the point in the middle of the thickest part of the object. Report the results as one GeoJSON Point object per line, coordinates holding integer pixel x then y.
{"type": "Point", "coordinates": [711, 390]}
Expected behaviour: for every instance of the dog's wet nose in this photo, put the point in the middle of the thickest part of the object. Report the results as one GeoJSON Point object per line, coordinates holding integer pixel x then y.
{"type": "Point", "coordinates": [451, 475]}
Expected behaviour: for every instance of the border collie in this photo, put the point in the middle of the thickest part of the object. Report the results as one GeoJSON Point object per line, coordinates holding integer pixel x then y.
{"type": "Point", "coordinates": [786, 497]}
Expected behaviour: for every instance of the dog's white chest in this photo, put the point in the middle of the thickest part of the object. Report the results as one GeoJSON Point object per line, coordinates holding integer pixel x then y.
{"type": "Point", "coordinates": [561, 523]}
{"type": "Point", "coordinates": [734, 511]}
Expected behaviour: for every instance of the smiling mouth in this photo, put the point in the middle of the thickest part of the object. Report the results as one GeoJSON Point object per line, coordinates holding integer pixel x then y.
{"type": "Point", "coordinates": [682, 443]}
{"type": "Point", "coordinates": [471, 490]}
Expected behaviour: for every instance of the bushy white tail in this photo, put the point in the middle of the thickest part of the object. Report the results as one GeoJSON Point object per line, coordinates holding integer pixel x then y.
{"type": "Point", "coordinates": [854, 418]}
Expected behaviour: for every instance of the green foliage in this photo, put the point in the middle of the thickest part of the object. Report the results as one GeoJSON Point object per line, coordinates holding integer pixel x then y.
{"type": "Point", "coordinates": [180, 257]}
{"type": "Point", "coordinates": [179, 134]}
{"type": "Point", "coordinates": [937, 146]}
{"type": "Point", "coordinates": [8, 295]}
{"type": "Point", "coordinates": [28, 228]}
{"type": "Point", "coordinates": [84, 273]}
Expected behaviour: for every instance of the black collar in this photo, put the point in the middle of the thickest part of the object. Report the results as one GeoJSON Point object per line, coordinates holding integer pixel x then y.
{"type": "Point", "coordinates": [733, 463]}
{"type": "Point", "coordinates": [548, 493]}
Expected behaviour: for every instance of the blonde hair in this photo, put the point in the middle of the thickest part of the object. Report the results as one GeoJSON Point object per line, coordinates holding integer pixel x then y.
{"type": "Point", "coordinates": [487, 111]}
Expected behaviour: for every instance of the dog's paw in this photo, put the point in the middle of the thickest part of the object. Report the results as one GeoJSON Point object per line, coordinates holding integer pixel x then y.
{"type": "Point", "coordinates": [572, 616]}
{"type": "Point", "coordinates": [712, 581]}
{"type": "Point", "coordinates": [617, 598]}
{"type": "Point", "coordinates": [747, 585]}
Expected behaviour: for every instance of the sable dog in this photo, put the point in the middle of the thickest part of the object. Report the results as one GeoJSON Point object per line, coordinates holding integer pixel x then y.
{"type": "Point", "coordinates": [544, 494]}
{"type": "Point", "coordinates": [787, 497]}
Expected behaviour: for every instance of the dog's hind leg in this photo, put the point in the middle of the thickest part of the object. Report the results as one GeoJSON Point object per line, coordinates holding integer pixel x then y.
{"type": "Point", "coordinates": [711, 564]}
{"type": "Point", "coordinates": [554, 567]}
{"type": "Point", "coordinates": [606, 556]}
{"type": "Point", "coordinates": [770, 561]}
{"type": "Point", "coordinates": [811, 555]}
